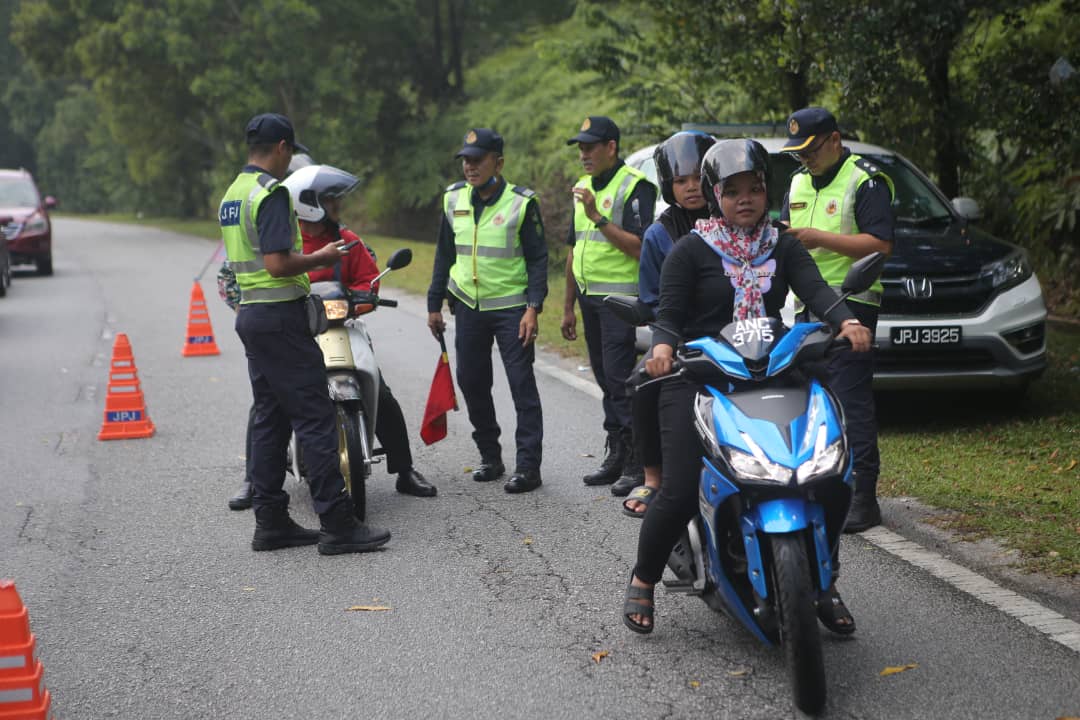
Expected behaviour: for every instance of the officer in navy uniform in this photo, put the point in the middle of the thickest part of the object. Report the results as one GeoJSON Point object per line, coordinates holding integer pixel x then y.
{"type": "Point", "coordinates": [288, 377]}
{"type": "Point", "coordinates": [613, 205]}
{"type": "Point", "coordinates": [839, 206]}
{"type": "Point", "coordinates": [491, 264]}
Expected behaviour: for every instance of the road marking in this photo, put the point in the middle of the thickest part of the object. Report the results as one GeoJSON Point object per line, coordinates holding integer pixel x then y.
{"type": "Point", "coordinates": [1054, 625]}
{"type": "Point", "coordinates": [578, 383]}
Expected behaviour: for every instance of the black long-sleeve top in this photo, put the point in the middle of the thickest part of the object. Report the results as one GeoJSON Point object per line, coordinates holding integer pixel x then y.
{"type": "Point", "coordinates": [533, 247]}
{"type": "Point", "coordinates": [697, 298]}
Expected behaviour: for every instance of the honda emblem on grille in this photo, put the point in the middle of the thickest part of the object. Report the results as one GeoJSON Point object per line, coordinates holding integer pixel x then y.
{"type": "Point", "coordinates": [918, 288]}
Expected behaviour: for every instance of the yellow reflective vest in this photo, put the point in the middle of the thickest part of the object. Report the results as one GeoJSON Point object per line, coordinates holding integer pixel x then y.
{"type": "Point", "coordinates": [599, 267]}
{"type": "Point", "coordinates": [489, 272]}
{"type": "Point", "coordinates": [237, 215]}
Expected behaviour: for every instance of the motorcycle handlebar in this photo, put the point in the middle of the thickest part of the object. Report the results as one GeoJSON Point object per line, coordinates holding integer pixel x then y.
{"type": "Point", "coordinates": [387, 303]}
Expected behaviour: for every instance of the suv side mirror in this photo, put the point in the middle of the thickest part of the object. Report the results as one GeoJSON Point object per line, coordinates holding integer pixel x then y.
{"type": "Point", "coordinates": [399, 259]}
{"type": "Point", "coordinates": [629, 309]}
{"type": "Point", "coordinates": [967, 208]}
{"type": "Point", "coordinates": [863, 273]}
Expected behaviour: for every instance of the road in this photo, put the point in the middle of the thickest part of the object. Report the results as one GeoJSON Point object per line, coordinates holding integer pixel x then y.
{"type": "Point", "coordinates": [147, 601]}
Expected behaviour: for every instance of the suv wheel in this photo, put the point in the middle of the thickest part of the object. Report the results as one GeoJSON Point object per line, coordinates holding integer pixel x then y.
{"type": "Point", "coordinates": [5, 280]}
{"type": "Point", "coordinates": [44, 265]}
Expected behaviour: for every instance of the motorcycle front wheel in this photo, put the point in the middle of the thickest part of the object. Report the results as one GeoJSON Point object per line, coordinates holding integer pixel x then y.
{"type": "Point", "coordinates": [351, 457]}
{"type": "Point", "coordinates": [799, 634]}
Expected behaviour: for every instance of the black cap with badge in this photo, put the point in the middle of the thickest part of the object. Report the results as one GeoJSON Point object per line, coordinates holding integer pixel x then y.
{"type": "Point", "coordinates": [270, 129]}
{"type": "Point", "coordinates": [479, 142]}
{"type": "Point", "coordinates": [805, 125]}
{"type": "Point", "coordinates": [596, 128]}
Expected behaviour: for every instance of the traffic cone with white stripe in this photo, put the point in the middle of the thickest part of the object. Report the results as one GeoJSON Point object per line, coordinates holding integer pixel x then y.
{"type": "Point", "coordinates": [22, 687]}
{"type": "Point", "coordinates": [199, 339]}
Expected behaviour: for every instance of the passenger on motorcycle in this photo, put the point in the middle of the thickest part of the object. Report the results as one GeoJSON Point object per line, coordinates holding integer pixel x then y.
{"type": "Point", "coordinates": [735, 264]}
{"type": "Point", "coordinates": [317, 192]}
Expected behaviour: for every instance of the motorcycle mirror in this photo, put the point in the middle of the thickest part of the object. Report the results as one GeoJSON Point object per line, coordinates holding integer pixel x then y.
{"type": "Point", "coordinates": [863, 273]}
{"type": "Point", "coordinates": [399, 259]}
{"type": "Point", "coordinates": [629, 309]}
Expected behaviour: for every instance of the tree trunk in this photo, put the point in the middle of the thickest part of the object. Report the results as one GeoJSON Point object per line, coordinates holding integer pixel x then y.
{"type": "Point", "coordinates": [943, 131]}
{"type": "Point", "coordinates": [455, 22]}
{"type": "Point", "coordinates": [796, 90]}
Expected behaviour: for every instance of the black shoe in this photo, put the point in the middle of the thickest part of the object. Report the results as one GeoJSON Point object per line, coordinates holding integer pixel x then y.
{"type": "Point", "coordinates": [523, 481]}
{"type": "Point", "coordinates": [242, 499]}
{"type": "Point", "coordinates": [412, 482]}
{"type": "Point", "coordinates": [340, 532]}
{"type": "Point", "coordinates": [627, 482]}
{"type": "Point", "coordinates": [864, 514]}
{"type": "Point", "coordinates": [612, 466]}
{"type": "Point", "coordinates": [274, 529]}
{"type": "Point", "coordinates": [488, 471]}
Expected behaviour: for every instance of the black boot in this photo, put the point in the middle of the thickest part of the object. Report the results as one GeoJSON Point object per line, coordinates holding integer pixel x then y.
{"type": "Point", "coordinates": [864, 514]}
{"type": "Point", "coordinates": [412, 482]}
{"type": "Point", "coordinates": [274, 529]}
{"type": "Point", "coordinates": [633, 474]}
{"type": "Point", "coordinates": [242, 499]}
{"type": "Point", "coordinates": [342, 533]}
{"type": "Point", "coordinates": [612, 466]}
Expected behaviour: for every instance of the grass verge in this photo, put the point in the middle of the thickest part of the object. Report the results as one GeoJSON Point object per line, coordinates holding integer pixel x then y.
{"type": "Point", "coordinates": [1004, 466]}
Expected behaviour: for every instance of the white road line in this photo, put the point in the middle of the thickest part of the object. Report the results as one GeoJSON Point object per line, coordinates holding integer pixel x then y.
{"type": "Point", "coordinates": [589, 387]}
{"type": "Point", "coordinates": [1055, 626]}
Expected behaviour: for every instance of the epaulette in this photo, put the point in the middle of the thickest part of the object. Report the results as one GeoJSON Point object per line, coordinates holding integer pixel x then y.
{"type": "Point", "coordinates": [524, 191]}
{"type": "Point", "coordinates": [267, 181]}
{"type": "Point", "coordinates": [456, 186]}
{"type": "Point", "coordinates": [868, 166]}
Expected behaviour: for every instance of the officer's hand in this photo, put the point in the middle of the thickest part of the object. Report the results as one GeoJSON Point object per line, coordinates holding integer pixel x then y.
{"type": "Point", "coordinates": [806, 236]}
{"type": "Point", "coordinates": [859, 335]}
{"type": "Point", "coordinates": [569, 325]}
{"type": "Point", "coordinates": [436, 324]}
{"type": "Point", "coordinates": [586, 198]}
{"type": "Point", "coordinates": [328, 255]}
{"type": "Point", "coordinates": [659, 364]}
{"type": "Point", "coordinates": [527, 328]}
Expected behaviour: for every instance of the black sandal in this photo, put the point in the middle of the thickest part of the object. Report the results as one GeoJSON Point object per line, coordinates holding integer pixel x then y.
{"type": "Point", "coordinates": [635, 605]}
{"type": "Point", "coordinates": [833, 613]}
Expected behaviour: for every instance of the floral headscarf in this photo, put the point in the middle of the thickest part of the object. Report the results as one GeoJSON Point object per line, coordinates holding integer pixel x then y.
{"type": "Point", "coordinates": [745, 252]}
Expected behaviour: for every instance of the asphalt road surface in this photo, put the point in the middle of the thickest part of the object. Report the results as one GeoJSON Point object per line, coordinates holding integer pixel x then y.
{"type": "Point", "coordinates": [148, 602]}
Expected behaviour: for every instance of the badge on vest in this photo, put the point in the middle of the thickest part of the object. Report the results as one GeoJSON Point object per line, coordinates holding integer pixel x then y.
{"type": "Point", "coordinates": [229, 214]}
{"type": "Point", "coordinates": [461, 213]}
{"type": "Point", "coordinates": [832, 207]}
{"type": "Point", "coordinates": [797, 206]}
{"type": "Point", "coordinates": [499, 219]}
{"type": "Point", "coordinates": [608, 202]}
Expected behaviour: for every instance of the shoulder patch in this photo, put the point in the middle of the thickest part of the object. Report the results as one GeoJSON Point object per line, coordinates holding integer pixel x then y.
{"type": "Point", "coordinates": [456, 186]}
{"type": "Point", "coordinates": [267, 181]}
{"type": "Point", "coordinates": [524, 191]}
{"type": "Point", "coordinates": [867, 166]}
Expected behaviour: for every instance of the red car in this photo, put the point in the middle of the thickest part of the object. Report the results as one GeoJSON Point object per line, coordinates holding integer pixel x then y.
{"type": "Point", "coordinates": [29, 234]}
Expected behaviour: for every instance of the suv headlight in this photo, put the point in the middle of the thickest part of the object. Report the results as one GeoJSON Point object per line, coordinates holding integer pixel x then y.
{"type": "Point", "coordinates": [755, 465]}
{"type": "Point", "coordinates": [1011, 270]}
{"type": "Point", "coordinates": [826, 460]}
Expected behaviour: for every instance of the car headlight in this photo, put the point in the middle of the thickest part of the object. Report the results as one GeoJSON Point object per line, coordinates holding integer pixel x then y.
{"type": "Point", "coordinates": [826, 460]}
{"type": "Point", "coordinates": [1010, 270]}
{"type": "Point", "coordinates": [755, 465]}
{"type": "Point", "coordinates": [336, 309]}
{"type": "Point", "coordinates": [703, 411]}
{"type": "Point", "coordinates": [36, 224]}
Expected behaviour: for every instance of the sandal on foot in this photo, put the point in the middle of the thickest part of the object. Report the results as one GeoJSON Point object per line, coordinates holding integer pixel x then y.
{"type": "Point", "coordinates": [833, 613]}
{"type": "Point", "coordinates": [642, 494]}
{"type": "Point", "coordinates": [635, 604]}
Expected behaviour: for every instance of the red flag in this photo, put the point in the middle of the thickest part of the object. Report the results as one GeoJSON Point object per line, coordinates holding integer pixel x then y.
{"type": "Point", "coordinates": [441, 400]}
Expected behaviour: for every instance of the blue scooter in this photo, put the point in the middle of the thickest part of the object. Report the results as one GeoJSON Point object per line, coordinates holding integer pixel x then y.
{"type": "Point", "coordinates": [776, 479]}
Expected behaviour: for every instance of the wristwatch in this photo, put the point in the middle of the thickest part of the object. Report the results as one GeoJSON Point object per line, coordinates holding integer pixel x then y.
{"type": "Point", "coordinates": [538, 307]}
{"type": "Point", "coordinates": [601, 222]}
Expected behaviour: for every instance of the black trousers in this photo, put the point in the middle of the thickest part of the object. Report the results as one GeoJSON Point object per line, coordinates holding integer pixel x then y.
{"type": "Point", "coordinates": [288, 381]}
{"type": "Point", "coordinates": [645, 401]}
{"type": "Point", "coordinates": [474, 333]}
{"type": "Point", "coordinates": [612, 355]}
{"type": "Point", "coordinates": [391, 431]}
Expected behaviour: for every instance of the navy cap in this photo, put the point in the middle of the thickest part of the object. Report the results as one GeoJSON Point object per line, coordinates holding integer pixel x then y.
{"type": "Point", "coordinates": [806, 125]}
{"type": "Point", "coordinates": [272, 128]}
{"type": "Point", "coordinates": [596, 128]}
{"type": "Point", "coordinates": [479, 142]}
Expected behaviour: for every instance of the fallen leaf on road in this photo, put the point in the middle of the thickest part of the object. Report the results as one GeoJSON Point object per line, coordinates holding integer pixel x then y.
{"type": "Point", "coordinates": [587, 455]}
{"type": "Point", "coordinates": [527, 541]}
{"type": "Point", "coordinates": [248, 589]}
{"type": "Point", "coordinates": [468, 470]}
{"type": "Point", "coordinates": [598, 656]}
{"type": "Point", "coordinates": [695, 684]}
{"type": "Point", "coordinates": [893, 669]}
{"type": "Point", "coordinates": [367, 608]}
{"type": "Point", "coordinates": [738, 673]}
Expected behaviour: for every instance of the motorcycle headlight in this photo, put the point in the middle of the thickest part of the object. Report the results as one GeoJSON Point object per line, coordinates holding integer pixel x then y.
{"type": "Point", "coordinates": [336, 309]}
{"type": "Point", "coordinates": [1010, 270]}
{"type": "Point", "coordinates": [826, 460]}
{"type": "Point", "coordinates": [755, 465]}
{"type": "Point", "coordinates": [703, 409]}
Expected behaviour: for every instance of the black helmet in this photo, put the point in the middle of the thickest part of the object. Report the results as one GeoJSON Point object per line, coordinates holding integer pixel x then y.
{"type": "Point", "coordinates": [727, 158]}
{"type": "Point", "coordinates": [679, 155]}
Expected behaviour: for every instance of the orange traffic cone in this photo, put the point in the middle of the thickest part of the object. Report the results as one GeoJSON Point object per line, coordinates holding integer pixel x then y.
{"type": "Point", "coordinates": [200, 335]}
{"type": "Point", "coordinates": [125, 409]}
{"type": "Point", "coordinates": [22, 690]}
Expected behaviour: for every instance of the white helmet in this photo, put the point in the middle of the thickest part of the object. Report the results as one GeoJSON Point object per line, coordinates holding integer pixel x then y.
{"type": "Point", "coordinates": [310, 184]}
{"type": "Point", "coordinates": [300, 160]}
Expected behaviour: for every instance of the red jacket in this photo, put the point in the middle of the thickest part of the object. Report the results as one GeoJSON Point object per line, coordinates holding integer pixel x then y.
{"type": "Point", "coordinates": [357, 268]}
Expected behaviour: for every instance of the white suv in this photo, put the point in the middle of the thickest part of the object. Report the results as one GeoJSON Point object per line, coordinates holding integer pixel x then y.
{"type": "Point", "coordinates": [961, 308]}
